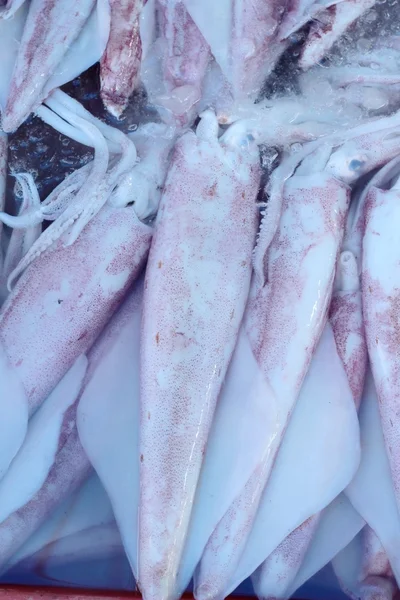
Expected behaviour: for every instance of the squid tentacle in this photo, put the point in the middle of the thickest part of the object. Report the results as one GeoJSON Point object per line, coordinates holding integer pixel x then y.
{"type": "Point", "coordinates": [21, 242]}
{"type": "Point", "coordinates": [53, 119]}
{"type": "Point", "coordinates": [74, 210]}
{"type": "Point", "coordinates": [52, 206]}
{"type": "Point", "coordinates": [60, 100]}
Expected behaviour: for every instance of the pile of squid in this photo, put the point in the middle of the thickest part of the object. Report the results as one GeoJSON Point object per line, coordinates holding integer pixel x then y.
{"type": "Point", "coordinates": [200, 326]}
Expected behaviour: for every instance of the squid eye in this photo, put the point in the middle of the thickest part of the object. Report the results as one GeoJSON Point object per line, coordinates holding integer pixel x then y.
{"type": "Point", "coordinates": [244, 142]}
{"type": "Point", "coordinates": [355, 164]}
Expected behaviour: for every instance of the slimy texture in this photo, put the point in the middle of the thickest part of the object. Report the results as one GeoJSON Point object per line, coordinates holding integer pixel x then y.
{"type": "Point", "coordinates": [56, 311]}
{"type": "Point", "coordinates": [188, 338]}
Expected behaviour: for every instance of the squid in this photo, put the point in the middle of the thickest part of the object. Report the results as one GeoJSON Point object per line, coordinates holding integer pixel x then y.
{"type": "Point", "coordinates": [51, 53]}
{"type": "Point", "coordinates": [380, 293]}
{"type": "Point", "coordinates": [243, 40]}
{"type": "Point", "coordinates": [328, 179]}
{"type": "Point", "coordinates": [274, 576]}
{"type": "Point", "coordinates": [107, 173]}
{"type": "Point", "coordinates": [346, 321]}
{"type": "Point", "coordinates": [114, 246]}
{"type": "Point", "coordinates": [121, 61]}
{"type": "Point", "coordinates": [375, 503]}
{"type": "Point", "coordinates": [60, 560]}
{"type": "Point", "coordinates": [296, 16]}
{"type": "Point", "coordinates": [378, 504]}
{"type": "Point", "coordinates": [313, 462]}
{"type": "Point", "coordinates": [108, 420]}
{"type": "Point", "coordinates": [21, 240]}
{"type": "Point", "coordinates": [10, 32]}
{"type": "Point", "coordinates": [3, 179]}
{"type": "Point", "coordinates": [229, 461]}
{"type": "Point", "coordinates": [52, 451]}
{"type": "Point", "coordinates": [255, 48]}
{"type": "Point", "coordinates": [76, 303]}
{"type": "Point", "coordinates": [329, 20]}
{"type": "Point", "coordinates": [13, 412]}
{"type": "Point", "coordinates": [283, 342]}
{"type": "Point", "coordinates": [86, 508]}
{"type": "Point", "coordinates": [332, 22]}
{"type": "Point", "coordinates": [363, 500]}
{"type": "Point", "coordinates": [175, 69]}
{"type": "Point", "coordinates": [9, 8]}
{"type": "Point", "coordinates": [247, 40]}
{"type": "Point", "coordinates": [208, 199]}
{"type": "Point", "coordinates": [109, 435]}
{"type": "Point", "coordinates": [125, 166]}
{"type": "Point", "coordinates": [363, 569]}
{"type": "Point", "coordinates": [338, 525]}
{"type": "Point", "coordinates": [144, 381]}
{"type": "Point", "coordinates": [154, 142]}
{"type": "Point", "coordinates": [358, 150]}
{"type": "Point", "coordinates": [345, 316]}
{"type": "Point", "coordinates": [50, 462]}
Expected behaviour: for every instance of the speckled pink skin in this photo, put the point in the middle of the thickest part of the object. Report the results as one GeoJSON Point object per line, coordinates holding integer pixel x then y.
{"type": "Point", "coordinates": [378, 582]}
{"type": "Point", "coordinates": [3, 177]}
{"type": "Point", "coordinates": [71, 465]}
{"type": "Point", "coordinates": [329, 26]}
{"type": "Point", "coordinates": [375, 564]}
{"type": "Point", "coordinates": [196, 287]}
{"type": "Point", "coordinates": [50, 29]}
{"type": "Point", "coordinates": [283, 564]}
{"type": "Point", "coordinates": [120, 64]}
{"type": "Point", "coordinates": [284, 320]}
{"type": "Point", "coordinates": [70, 468]}
{"type": "Point", "coordinates": [64, 299]}
{"type": "Point", "coordinates": [368, 576]}
{"type": "Point", "coordinates": [3, 168]}
{"type": "Point", "coordinates": [255, 47]}
{"type": "Point", "coordinates": [345, 315]}
{"type": "Point", "coordinates": [381, 303]}
{"type": "Point", "coordinates": [185, 58]}
{"type": "Point", "coordinates": [348, 327]}
{"type": "Point", "coordinates": [244, 42]}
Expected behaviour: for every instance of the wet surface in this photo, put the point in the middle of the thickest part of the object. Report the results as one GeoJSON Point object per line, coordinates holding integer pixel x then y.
{"type": "Point", "coordinates": [50, 156]}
